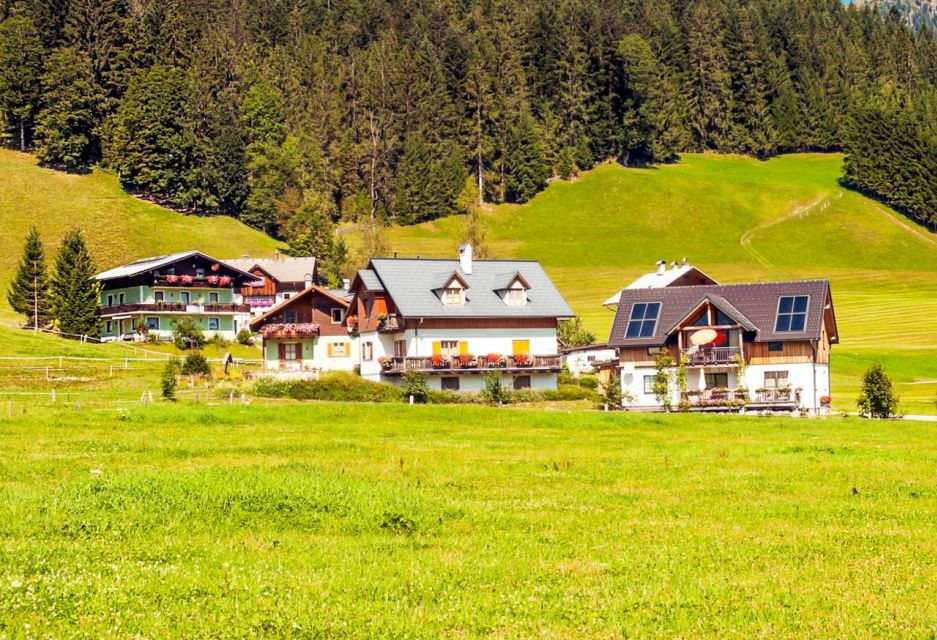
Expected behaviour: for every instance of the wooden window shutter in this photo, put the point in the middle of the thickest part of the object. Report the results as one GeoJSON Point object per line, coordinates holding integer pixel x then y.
{"type": "Point", "coordinates": [331, 349]}
{"type": "Point", "coordinates": [521, 346]}
{"type": "Point", "coordinates": [463, 347]}
{"type": "Point", "coordinates": [437, 348]}
{"type": "Point", "coordinates": [281, 351]}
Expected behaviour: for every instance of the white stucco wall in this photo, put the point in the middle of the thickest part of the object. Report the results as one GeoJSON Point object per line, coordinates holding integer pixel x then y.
{"type": "Point", "coordinates": [578, 362]}
{"type": "Point", "coordinates": [315, 353]}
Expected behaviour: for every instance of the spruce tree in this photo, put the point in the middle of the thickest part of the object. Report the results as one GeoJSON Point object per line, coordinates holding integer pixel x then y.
{"type": "Point", "coordinates": [75, 299]}
{"type": "Point", "coordinates": [20, 70]}
{"type": "Point", "coordinates": [29, 291]}
{"type": "Point", "coordinates": [415, 201]}
{"type": "Point", "coordinates": [527, 169]}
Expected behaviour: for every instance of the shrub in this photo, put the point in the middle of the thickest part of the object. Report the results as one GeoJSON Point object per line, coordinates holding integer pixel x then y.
{"type": "Point", "coordinates": [338, 386]}
{"type": "Point", "coordinates": [494, 391]}
{"type": "Point", "coordinates": [452, 397]}
{"type": "Point", "coordinates": [878, 399]}
{"type": "Point", "coordinates": [589, 382]}
{"type": "Point", "coordinates": [187, 335]}
{"type": "Point", "coordinates": [613, 395]}
{"type": "Point", "coordinates": [569, 392]}
{"type": "Point", "coordinates": [168, 379]}
{"type": "Point", "coordinates": [218, 340]}
{"type": "Point", "coordinates": [414, 384]}
{"type": "Point", "coordinates": [196, 364]}
{"type": "Point", "coordinates": [244, 337]}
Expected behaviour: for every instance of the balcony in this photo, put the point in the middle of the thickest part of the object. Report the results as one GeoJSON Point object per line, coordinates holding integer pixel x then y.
{"type": "Point", "coordinates": [389, 324]}
{"type": "Point", "coordinates": [448, 366]}
{"type": "Point", "coordinates": [782, 396]}
{"type": "Point", "coordinates": [173, 307]}
{"type": "Point", "coordinates": [716, 400]}
{"type": "Point", "coordinates": [713, 356]}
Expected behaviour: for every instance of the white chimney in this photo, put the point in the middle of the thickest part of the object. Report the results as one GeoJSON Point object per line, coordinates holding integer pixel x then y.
{"type": "Point", "coordinates": [685, 262]}
{"type": "Point", "coordinates": [661, 267]}
{"type": "Point", "coordinates": [346, 284]}
{"type": "Point", "coordinates": [465, 259]}
{"type": "Point", "coordinates": [673, 265]}
{"type": "Point", "coordinates": [308, 278]}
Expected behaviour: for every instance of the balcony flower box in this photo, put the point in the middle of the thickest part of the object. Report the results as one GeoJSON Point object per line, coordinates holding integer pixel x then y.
{"type": "Point", "coordinates": [495, 361]}
{"type": "Point", "coordinates": [523, 360]}
{"type": "Point", "coordinates": [187, 279]}
{"type": "Point", "coordinates": [826, 401]}
{"type": "Point", "coordinates": [440, 361]}
{"type": "Point", "coordinates": [172, 279]}
{"type": "Point", "coordinates": [212, 280]}
{"type": "Point", "coordinates": [387, 362]}
{"type": "Point", "coordinates": [224, 281]}
{"type": "Point", "coordinates": [467, 361]}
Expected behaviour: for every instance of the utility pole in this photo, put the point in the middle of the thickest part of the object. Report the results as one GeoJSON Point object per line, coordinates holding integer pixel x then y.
{"type": "Point", "coordinates": [35, 304]}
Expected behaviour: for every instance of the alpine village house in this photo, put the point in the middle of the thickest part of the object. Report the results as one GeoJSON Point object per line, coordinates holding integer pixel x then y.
{"type": "Point", "coordinates": [759, 346]}
{"type": "Point", "coordinates": [456, 320]}
{"type": "Point", "coordinates": [275, 279]}
{"type": "Point", "coordinates": [151, 295]}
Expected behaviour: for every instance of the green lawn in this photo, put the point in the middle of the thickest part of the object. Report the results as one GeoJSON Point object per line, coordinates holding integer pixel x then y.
{"type": "Point", "coordinates": [739, 220]}
{"type": "Point", "coordinates": [323, 520]}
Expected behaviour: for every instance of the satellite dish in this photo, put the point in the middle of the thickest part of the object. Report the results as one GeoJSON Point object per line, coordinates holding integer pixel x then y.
{"type": "Point", "coordinates": [703, 336]}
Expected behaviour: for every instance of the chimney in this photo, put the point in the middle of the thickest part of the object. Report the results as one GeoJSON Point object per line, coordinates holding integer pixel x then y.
{"type": "Point", "coordinates": [276, 254]}
{"type": "Point", "coordinates": [685, 262]}
{"type": "Point", "coordinates": [465, 258]}
{"type": "Point", "coordinates": [673, 265]}
{"type": "Point", "coordinates": [661, 267]}
{"type": "Point", "coordinates": [346, 284]}
{"type": "Point", "coordinates": [308, 279]}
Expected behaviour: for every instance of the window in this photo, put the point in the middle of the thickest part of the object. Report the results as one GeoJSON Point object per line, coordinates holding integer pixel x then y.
{"type": "Point", "coordinates": [289, 316]}
{"type": "Point", "coordinates": [289, 351]}
{"type": "Point", "coordinates": [649, 384]}
{"type": "Point", "coordinates": [452, 295]}
{"type": "Point", "coordinates": [723, 320]}
{"type": "Point", "coordinates": [200, 272]}
{"type": "Point", "coordinates": [287, 296]}
{"type": "Point", "coordinates": [108, 326]}
{"type": "Point", "coordinates": [212, 298]}
{"type": "Point", "coordinates": [367, 351]}
{"type": "Point", "coordinates": [775, 346]}
{"type": "Point", "coordinates": [521, 382]}
{"type": "Point", "coordinates": [717, 380]}
{"type": "Point", "coordinates": [400, 348]}
{"type": "Point", "coordinates": [450, 384]}
{"type": "Point", "coordinates": [171, 271]}
{"type": "Point", "coordinates": [449, 348]}
{"type": "Point", "coordinates": [184, 297]}
{"type": "Point", "coordinates": [214, 324]}
{"type": "Point", "coordinates": [159, 296]}
{"type": "Point", "coordinates": [120, 298]}
{"type": "Point", "coordinates": [338, 349]}
{"type": "Point", "coordinates": [110, 300]}
{"type": "Point", "coordinates": [792, 313]}
{"type": "Point", "coordinates": [338, 315]}
{"type": "Point", "coordinates": [643, 320]}
{"type": "Point", "coordinates": [702, 321]}
{"type": "Point", "coordinates": [152, 323]}
{"type": "Point", "coordinates": [516, 297]}
{"type": "Point", "coordinates": [656, 351]}
{"type": "Point", "coordinates": [776, 379]}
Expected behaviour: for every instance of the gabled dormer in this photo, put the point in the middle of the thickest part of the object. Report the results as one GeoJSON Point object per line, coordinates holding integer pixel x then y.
{"type": "Point", "coordinates": [452, 292]}
{"type": "Point", "coordinates": [515, 293]}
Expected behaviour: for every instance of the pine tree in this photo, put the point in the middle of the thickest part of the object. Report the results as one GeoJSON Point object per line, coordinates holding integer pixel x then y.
{"type": "Point", "coordinates": [526, 165]}
{"type": "Point", "coordinates": [29, 291]}
{"type": "Point", "coordinates": [75, 295]}
{"type": "Point", "coordinates": [415, 201]}
{"type": "Point", "coordinates": [709, 82]}
{"type": "Point", "coordinates": [20, 71]}
{"type": "Point", "coordinates": [66, 127]}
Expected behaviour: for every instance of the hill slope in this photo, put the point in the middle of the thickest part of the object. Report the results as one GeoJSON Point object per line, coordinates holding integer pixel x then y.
{"type": "Point", "coordinates": [118, 227]}
{"type": "Point", "coordinates": [739, 219]}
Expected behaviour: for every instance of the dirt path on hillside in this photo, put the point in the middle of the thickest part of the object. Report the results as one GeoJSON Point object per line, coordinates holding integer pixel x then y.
{"type": "Point", "coordinates": [891, 218]}
{"type": "Point", "coordinates": [797, 212]}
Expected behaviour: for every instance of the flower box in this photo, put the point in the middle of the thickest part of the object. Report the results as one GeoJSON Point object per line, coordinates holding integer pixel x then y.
{"type": "Point", "coordinates": [826, 401]}
{"type": "Point", "coordinates": [522, 360]}
{"type": "Point", "coordinates": [467, 361]}
{"type": "Point", "coordinates": [187, 279]}
{"type": "Point", "coordinates": [494, 360]}
{"type": "Point", "coordinates": [440, 362]}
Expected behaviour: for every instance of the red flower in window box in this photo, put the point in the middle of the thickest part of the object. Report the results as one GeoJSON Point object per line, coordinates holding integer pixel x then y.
{"type": "Point", "coordinates": [224, 281]}
{"type": "Point", "coordinates": [522, 359]}
{"type": "Point", "coordinates": [826, 401]}
{"type": "Point", "coordinates": [494, 360]}
{"type": "Point", "coordinates": [187, 279]}
{"type": "Point", "coordinates": [212, 279]}
{"type": "Point", "coordinates": [467, 360]}
{"type": "Point", "coordinates": [439, 361]}
{"type": "Point", "coordinates": [172, 279]}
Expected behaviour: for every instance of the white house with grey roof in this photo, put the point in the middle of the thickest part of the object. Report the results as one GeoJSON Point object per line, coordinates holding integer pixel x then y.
{"type": "Point", "coordinates": [457, 320]}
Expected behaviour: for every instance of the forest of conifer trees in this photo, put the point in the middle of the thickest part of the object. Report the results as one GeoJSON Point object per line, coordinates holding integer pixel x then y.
{"type": "Point", "coordinates": [294, 116]}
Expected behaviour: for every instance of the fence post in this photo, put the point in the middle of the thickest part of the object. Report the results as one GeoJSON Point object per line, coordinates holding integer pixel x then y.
{"type": "Point", "coordinates": [150, 395]}
{"type": "Point", "coordinates": [411, 398]}
{"type": "Point", "coordinates": [126, 362]}
{"type": "Point", "coordinates": [53, 396]}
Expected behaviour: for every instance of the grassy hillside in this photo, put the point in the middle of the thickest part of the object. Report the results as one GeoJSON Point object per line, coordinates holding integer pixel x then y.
{"type": "Point", "coordinates": [118, 228]}
{"type": "Point", "coordinates": [359, 521]}
{"type": "Point", "coordinates": [738, 219]}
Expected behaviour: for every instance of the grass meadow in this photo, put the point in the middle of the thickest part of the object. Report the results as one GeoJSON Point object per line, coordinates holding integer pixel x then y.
{"type": "Point", "coordinates": [326, 520]}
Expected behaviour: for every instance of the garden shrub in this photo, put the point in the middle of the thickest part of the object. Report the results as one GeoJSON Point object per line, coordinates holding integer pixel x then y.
{"type": "Point", "coordinates": [589, 382]}
{"type": "Point", "coordinates": [414, 384]}
{"type": "Point", "coordinates": [244, 337]}
{"type": "Point", "coordinates": [338, 386]}
{"type": "Point", "coordinates": [196, 364]}
{"type": "Point", "coordinates": [168, 380]}
{"type": "Point", "coordinates": [187, 335]}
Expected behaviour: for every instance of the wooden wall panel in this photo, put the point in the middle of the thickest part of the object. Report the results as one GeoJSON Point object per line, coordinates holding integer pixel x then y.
{"type": "Point", "coordinates": [791, 353]}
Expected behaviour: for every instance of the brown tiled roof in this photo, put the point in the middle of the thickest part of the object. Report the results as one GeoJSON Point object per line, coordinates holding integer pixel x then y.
{"type": "Point", "coordinates": [754, 306]}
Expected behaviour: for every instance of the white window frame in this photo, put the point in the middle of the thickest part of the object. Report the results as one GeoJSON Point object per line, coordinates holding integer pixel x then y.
{"type": "Point", "coordinates": [297, 351]}
{"type": "Point", "coordinates": [217, 322]}
{"type": "Point", "coordinates": [341, 315]}
{"type": "Point", "coordinates": [367, 351]}
{"type": "Point", "coordinates": [449, 348]}
{"type": "Point", "coordinates": [775, 377]}
{"type": "Point", "coordinates": [453, 295]}
{"type": "Point", "coordinates": [148, 327]}
{"type": "Point", "coordinates": [649, 384]}
{"type": "Point", "coordinates": [290, 313]}
{"type": "Point", "coordinates": [213, 297]}
{"type": "Point", "coordinates": [449, 380]}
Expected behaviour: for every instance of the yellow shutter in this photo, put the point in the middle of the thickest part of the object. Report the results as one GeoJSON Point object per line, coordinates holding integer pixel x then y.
{"type": "Point", "coordinates": [521, 346]}
{"type": "Point", "coordinates": [330, 349]}
{"type": "Point", "coordinates": [437, 348]}
{"type": "Point", "coordinates": [463, 348]}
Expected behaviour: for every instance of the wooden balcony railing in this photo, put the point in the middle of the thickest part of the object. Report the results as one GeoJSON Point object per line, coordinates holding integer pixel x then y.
{"type": "Point", "coordinates": [713, 355]}
{"type": "Point", "coordinates": [777, 396]}
{"type": "Point", "coordinates": [539, 364]}
{"type": "Point", "coordinates": [389, 324]}
{"type": "Point", "coordinates": [174, 307]}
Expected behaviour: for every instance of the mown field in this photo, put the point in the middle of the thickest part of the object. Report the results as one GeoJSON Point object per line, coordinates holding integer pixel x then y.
{"type": "Point", "coordinates": [739, 220]}
{"type": "Point", "coordinates": [324, 520]}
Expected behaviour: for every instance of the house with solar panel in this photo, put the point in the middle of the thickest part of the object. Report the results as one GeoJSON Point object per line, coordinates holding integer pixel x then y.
{"type": "Point", "coordinates": [456, 320]}
{"type": "Point", "coordinates": [740, 347]}
{"type": "Point", "coordinates": [148, 297]}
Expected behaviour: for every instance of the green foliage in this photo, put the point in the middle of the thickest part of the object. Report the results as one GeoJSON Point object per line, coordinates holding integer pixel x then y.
{"type": "Point", "coordinates": [527, 169]}
{"type": "Point", "coordinates": [66, 127]}
{"type": "Point", "coordinates": [571, 333]}
{"type": "Point", "coordinates": [588, 382]}
{"type": "Point", "coordinates": [245, 338]}
{"type": "Point", "coordinates": [337, 386]}
{"type": "Point", "coordinates": [664, 378]}
{"type": "Point", "coordinates": [74, 292]}
{"type": "Point", "coordinates": [494, 392]}
{"type": "Point", "coordinates": [613, 396]}
{"type": "Point", "coordinates": [878, 399]}
{"type": "Point", "coordinates": [20, 72]}
{"type": "Point", "coordinates": [414, 385]}
{"type": "Point", "coordinates": [169, 380]}
{"type": "Point", "coordinates": [186, 334]}
{"type": "Point", "coordinates": [29, 291]}
{"type": "Point", "coordinates": [195, 364]}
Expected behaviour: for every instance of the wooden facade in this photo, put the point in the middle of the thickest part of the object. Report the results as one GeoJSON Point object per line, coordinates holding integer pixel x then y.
{"type": "Point", "coordinates": [314, 306]}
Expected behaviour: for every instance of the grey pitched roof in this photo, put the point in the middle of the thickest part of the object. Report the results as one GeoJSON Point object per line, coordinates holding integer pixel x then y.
{"type": "Point", "coordinates": [147, 264]}
{"type": "Point", "coordinates": [285, 269]}
{"type": "Point", "coordinates": [754, 306]}
{"type": "Point", "coordinates": [370, 280]}
{"type": "Point", "coordinates": [413, 283]}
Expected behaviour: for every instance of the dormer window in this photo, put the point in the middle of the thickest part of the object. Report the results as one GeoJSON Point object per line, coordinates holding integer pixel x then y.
{"type": "Point", "coordinates": [453, 294]}
{"type": "Point", "coordinates": [515, 294]}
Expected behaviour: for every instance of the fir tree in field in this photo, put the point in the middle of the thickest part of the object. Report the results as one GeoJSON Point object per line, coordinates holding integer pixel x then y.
{"type": "Point", "coordinates": [527, 169]}
{"type": "Point", "coordinates": [572, 334]}
{"type": "Point", "coordinates": [20, 70]}
{"type": "Point", "coordinates": [414, 183]}
{"type": "Point", "coordinates": [75, 296]}
{"type": "Point", "coordinates": [878, 399]}
{"type": "Point", "coordinates": [29, 291]}
{"type": "Point", "coordinates": [66, 126]}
